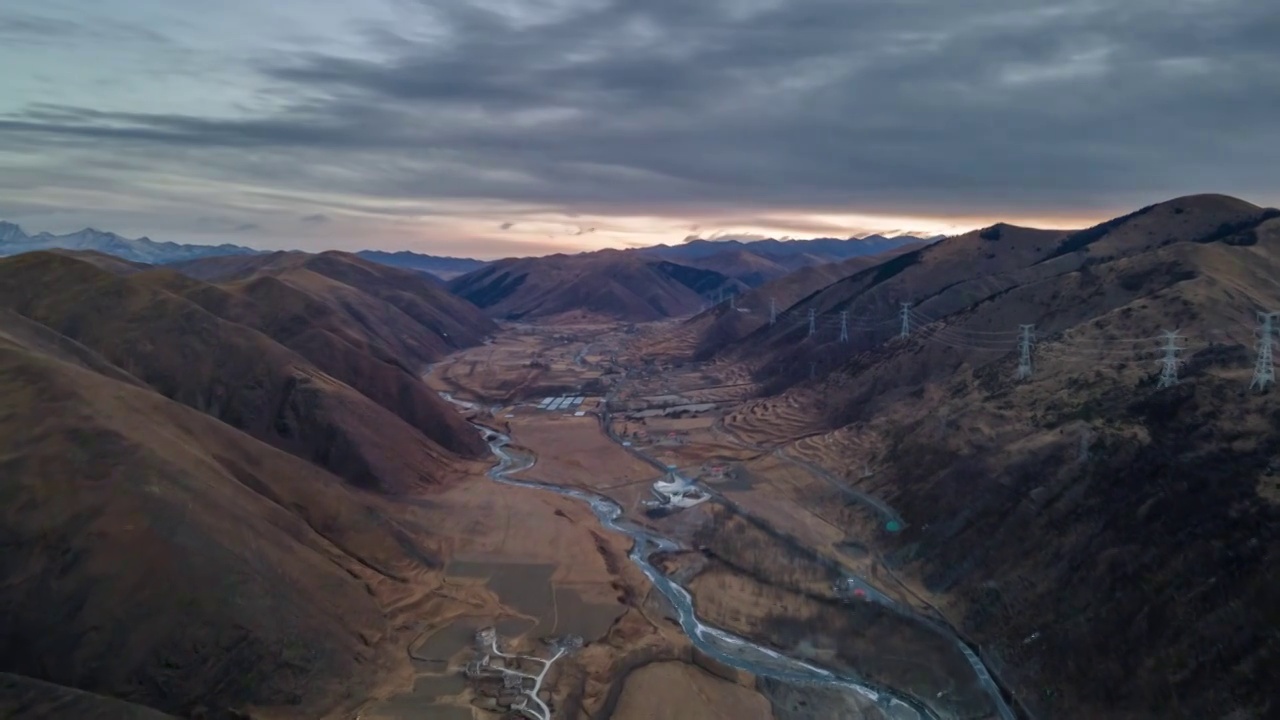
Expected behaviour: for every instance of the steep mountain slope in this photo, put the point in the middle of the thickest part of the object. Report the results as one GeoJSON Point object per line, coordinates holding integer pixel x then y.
{"type": "Point", "coordinates": [445, 268]}
{"type": "Point", "coordinates": [937, 279]}
{"type": "Point", "coordinates": [238, 374]}
{"type": "Point", "coordinates": [28, 699]}
{"type": "Point", "coordinates": [748, 268]}
{"type": "Point", "coordinates": [162, 558]}
{"type": "Point", "coordinates": [396, 315]}
{"type": "Point", "coordinates": [725, 324]}
{"type": "Point", "coordinates": [610, 283]}
{"type": "Point", "coordinates": [1109, 543]}
{"type": "Point", "coordinates": [14, 241]}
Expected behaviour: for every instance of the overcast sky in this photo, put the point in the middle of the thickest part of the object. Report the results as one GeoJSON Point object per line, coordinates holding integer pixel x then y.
{"type": "Point", "coordinates": [499, 127]}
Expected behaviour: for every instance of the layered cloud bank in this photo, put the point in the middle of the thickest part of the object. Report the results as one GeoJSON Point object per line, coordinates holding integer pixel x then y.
{"type": "Point", "coordinates": [496, 128]}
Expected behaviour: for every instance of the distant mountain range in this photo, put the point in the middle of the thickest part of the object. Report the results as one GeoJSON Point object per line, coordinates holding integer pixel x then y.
{"type": "Point", "coordinates": [825, 249]}
{"type": "Point", "coordinates": [13, 241]}
{"type": "Point", "coordinates": [445, 268]}
{"type": "Point", "coordinates": [752, 262]}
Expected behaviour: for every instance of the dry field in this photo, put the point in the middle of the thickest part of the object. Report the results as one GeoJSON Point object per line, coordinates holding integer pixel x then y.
{"type": "Point", "coordinates": [770, 560]}
{"type": "Point", "coordinates": [535, 565]}
{"type": "Point", "coordinates": [515, 367]}
{"type": "Point", "coordinates": [679, 691]}
{"type": "Point", "coordinates": [574, 451]}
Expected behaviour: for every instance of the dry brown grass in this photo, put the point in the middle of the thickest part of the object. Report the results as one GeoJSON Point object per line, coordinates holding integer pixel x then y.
{"type": "Point", "coordinates": [574, 451]}
{"type": "Point", "coordinates": [243, 575]}
{"type": "Point", "coordinates": [572, 288]}
{"type": "Point", "coordinates": [679, 691]}
{"type": "Point", "coordinates": [239, 374]}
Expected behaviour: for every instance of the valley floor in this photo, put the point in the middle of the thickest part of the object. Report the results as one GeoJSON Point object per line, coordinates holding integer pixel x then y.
{"type": "Point", "coordinates": [775, 549]}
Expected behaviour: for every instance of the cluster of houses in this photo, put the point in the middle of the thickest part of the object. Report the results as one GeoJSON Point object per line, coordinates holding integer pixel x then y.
{"type": "Point", "coordinates": [513, 682]}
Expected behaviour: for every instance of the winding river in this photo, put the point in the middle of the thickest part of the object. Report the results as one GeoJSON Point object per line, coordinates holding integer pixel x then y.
{"type": "Point", "coordinates": [728, 648]}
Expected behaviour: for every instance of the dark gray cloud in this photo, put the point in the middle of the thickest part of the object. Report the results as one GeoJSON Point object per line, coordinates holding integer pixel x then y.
{"type": "Point", "coordinates": [315, 218]}
{"type": "Point", "coordinates": [890, 106]}
{"type": "Point", "coordinates": [217, 224]}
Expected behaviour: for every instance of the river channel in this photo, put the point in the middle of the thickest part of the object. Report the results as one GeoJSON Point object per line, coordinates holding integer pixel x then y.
{"type": "Point", "coordinates": [728, 648]}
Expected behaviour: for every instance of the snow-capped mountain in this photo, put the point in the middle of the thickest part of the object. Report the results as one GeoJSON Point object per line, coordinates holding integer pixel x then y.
{"type": "Point", "coordinates": [144, 250]}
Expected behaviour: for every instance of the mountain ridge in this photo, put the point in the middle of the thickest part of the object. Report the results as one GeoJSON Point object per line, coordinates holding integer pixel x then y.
{"type": "Point", "coordinates": [1152, 500]}
{"type": "Point", "coordinates": [609, 283]}
{"type": "Point", "coordinates": [792, 252]}
{"type": "Point", "coordinates": [14, 240]}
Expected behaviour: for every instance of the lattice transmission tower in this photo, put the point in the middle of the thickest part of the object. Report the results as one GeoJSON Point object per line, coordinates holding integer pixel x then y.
{"type": "Point", "coordinates": [1025, 341]}
{"type": "Point", "coordinates": [1170, 362]}
{"type": "Point", "coordinates": [1264, 371]}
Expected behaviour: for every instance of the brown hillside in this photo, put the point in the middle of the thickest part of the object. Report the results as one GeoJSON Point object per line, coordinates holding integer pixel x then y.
{"type": "Point", "coordinates": [110, 263]}
{"type": "Point", "coordinates": [747, 267]}
{"type": "Point", "coordinates": [233, 372]}
{"type": "Point", "coordinates": [158, 556]}
{"type": "Point", "coordinates": [724, 325]}
{"type": "Point", "coordinates": [333, 342]}
{"type": "Point", "coordinates": [939, 278]}
{"type": "Point", "coordinates": [1109, 544]}
{"type": "Point", "coordinates": [18, 331]}
{"type": "Point", "coordinates": [954, 274]}
{"type": "Point", "coordinates": [391, 313]}
{"type": "Point", "coordinates": [615, 284]}
{"type": "Point", "coordinates": [22, 698]}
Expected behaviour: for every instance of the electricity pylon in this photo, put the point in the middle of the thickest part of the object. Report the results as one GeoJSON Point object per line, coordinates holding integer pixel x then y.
{"type": "Point", "coordinates": [733, 301]}
{"type": "Point", "coordinates": [906, 319]}
{"type": "Point", "coordinates": [1264, 372]}
{"type": "Point", "coordinates": [811, 322]}
{"type": "Point", "coordinates": [844, 326]}
{"type": "Point", "coordinates": [1024, 350]}
{"type": "Point", "coordinates": [813, 369]}
{"type": "Point", "coordinates": [1169, 363]}
{"type": "Point", "coordinates": [773, 311]}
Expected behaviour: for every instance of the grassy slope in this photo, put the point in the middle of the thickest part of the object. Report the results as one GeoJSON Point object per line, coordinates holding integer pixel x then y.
{"type": "Point", "coordinates": [228, 370]}
{"type": "Point", "coordinates": [159, 556]}
{"type": "Point", "coordinates": [1139, 583]}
